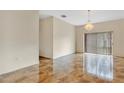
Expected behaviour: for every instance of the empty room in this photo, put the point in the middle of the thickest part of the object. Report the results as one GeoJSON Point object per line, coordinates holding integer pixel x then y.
{"type": "Point", "coordinates": [62, 46]}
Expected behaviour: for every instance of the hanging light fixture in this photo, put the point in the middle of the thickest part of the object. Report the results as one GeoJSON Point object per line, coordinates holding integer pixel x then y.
{"type": "Point", "coordinates": [88, 26]}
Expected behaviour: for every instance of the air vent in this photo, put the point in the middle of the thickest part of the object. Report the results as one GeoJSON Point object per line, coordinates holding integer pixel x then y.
{"type": "Point", "coordinates": [63, 16]}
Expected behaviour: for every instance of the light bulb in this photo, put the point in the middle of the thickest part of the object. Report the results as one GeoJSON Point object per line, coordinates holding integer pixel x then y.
{"type": "Point", "coordinates": [89, 26]}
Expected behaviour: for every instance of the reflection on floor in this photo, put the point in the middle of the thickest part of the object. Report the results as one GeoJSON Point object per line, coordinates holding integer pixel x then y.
{"type": "Point", "coordinates": [70, 69]}
{"type": "Point", "coordinates": [99, 65]}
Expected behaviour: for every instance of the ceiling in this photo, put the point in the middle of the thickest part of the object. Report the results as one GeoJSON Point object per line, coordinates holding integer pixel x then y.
{"type": "Point", "coordinates": [79, 17]}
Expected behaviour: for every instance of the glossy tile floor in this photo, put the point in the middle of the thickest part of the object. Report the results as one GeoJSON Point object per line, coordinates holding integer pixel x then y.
{"type": "Point", "coordinates": [99, 65]}
{"type": "Point", "coordinates": [74, 68]}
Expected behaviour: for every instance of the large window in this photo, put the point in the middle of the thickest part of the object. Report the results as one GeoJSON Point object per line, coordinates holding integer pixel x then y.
{"type": "Point", "coordinates": [98, 43]}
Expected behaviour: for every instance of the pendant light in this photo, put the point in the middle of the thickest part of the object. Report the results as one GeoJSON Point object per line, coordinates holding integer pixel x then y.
{"type": "Point", "coordinates": [88, 26]}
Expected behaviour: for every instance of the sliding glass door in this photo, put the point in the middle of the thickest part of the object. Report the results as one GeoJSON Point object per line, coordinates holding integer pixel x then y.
{"type": "Point", "coordinates": [98, 43]}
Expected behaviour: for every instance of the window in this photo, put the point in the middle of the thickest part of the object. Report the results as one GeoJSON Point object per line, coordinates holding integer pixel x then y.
{"type": "Point", "coordinates": [98, 43]}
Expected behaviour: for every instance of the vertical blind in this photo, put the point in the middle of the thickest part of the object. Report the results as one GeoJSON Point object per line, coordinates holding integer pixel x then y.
{"type": "Point", "coordinates": [98, 43]}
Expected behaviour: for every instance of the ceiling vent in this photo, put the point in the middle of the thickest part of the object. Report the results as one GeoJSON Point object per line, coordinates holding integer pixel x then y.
{"type": "Point", "coordinates": [63, 16]}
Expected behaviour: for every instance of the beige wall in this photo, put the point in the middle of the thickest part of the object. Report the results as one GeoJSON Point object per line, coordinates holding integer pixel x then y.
{"type": "Point", "coordinates": [116, 26]}
{"type": "Point", "coordinates": [63, 38]}
{"type": "Point", "coordinates": [57, 38]}
{"type": "Point", "coordinates": [46, 37]}
{"type": "Point", "coordinates": [18, 39]}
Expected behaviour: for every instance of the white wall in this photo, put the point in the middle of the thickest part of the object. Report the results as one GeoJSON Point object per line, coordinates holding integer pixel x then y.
{"type": "Point", "coordinates": [18, 39]}
{"type": "Point", "coordinates": [63, 38]}
{"type": "Point", "coordinates": [116, 26]}
{"type": "Point", "coordinates": [57, 38]}
{"type": "Point", "coordinates": [79, 38]}
{"type": "Point", "coordinates": [46, 37]}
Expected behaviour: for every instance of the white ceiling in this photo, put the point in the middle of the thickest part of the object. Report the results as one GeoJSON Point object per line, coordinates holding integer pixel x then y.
{"type": "Point", "coordinates": [79, 17]}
